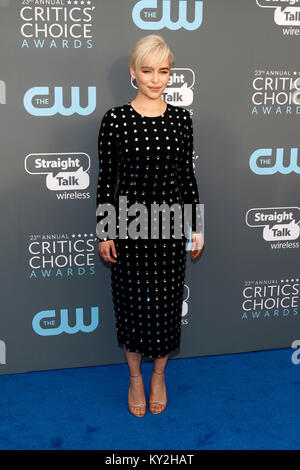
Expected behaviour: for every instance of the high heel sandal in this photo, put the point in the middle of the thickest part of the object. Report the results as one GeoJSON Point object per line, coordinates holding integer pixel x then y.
{"type": "Point", "coordinates": [137, 406]}
{"type": "Point", "coordinates": [157, 402]}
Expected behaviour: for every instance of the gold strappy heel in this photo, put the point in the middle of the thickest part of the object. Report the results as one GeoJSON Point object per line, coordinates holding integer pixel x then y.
{"type": "Point", "coordinates": [137, 406]}
{"type": "Point", "coordinates": [157, 402]}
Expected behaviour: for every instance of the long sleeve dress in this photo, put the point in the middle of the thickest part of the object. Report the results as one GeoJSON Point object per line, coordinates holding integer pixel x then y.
{"type": "Point", "coordinates": [147, 160]}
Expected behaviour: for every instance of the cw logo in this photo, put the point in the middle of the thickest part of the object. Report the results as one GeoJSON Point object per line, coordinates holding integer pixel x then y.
{"type": "Point", "coordinates": [262, 162]}
{"type": "Point", "coordinates": [2, 92]}
{"type": "Point", "coordinates": [44, 322]}
{"type": "Point", "coordinates": [149, 20]}
{"type": "Point", "coordinates": [41, 97]}
{"type": "Point", "coordinates": [2, 352]}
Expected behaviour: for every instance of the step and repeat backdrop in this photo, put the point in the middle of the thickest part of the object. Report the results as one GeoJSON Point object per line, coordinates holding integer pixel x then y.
{"type": "Point", "coordinates": [236, 69]}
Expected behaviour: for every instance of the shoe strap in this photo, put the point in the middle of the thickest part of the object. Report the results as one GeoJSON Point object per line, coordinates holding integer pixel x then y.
{"type": "Point", "coordinates": [157, 403]}
{"type": "Point", "coordinates": [135, 375]}
{"type": "Point", "coordinates": [138, 405]}
{"type": "Point", "coordinates": [160, 373]}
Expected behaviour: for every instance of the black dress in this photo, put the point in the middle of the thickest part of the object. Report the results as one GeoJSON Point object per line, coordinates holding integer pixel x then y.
{"type": "Point", "coordinates": [148, 160]}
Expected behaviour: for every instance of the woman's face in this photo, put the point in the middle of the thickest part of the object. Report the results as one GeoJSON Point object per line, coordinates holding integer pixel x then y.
{"type": "Point", "coordinates": [151, 79]}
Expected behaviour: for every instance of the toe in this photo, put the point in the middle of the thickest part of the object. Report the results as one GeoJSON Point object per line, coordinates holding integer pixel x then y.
{"type": "Point", "coordinates": [155, 408]}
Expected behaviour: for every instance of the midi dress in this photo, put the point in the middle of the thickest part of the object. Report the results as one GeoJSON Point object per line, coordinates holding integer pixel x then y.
{"type": "Point", "coordinates": [148, 160]}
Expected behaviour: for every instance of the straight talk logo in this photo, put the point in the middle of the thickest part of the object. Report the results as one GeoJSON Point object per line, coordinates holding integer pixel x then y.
{"type": "Point", "coordinates": [2, 92]}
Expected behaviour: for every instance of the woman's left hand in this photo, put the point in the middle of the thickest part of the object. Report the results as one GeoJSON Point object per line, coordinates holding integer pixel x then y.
{"type": "Point", "coordinates": [197, 244]}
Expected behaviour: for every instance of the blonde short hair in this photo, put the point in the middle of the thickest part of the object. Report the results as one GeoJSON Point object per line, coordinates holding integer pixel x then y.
{"type": "Point", "coordinates": [151, 44]}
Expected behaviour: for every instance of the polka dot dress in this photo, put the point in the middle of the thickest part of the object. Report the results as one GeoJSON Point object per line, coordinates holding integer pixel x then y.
{"type": "Point", "coordinates": [148, 160]}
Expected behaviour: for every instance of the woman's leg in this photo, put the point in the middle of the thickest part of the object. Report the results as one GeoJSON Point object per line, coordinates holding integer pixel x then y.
{"type": "Point", "coordinates": [158, 387]}
{"type": "Point", "coordinates": [160, 363]}
{"type": "Point", "coordinates": [136, 393]}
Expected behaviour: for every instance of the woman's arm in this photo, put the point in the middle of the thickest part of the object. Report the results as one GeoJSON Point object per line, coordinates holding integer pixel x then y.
{"type": "Point", "coordinates": [108, 168]}
{"type": "Point", "coordinates": [186, 175]}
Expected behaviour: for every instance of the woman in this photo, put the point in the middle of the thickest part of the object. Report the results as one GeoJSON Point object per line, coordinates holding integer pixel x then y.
{"type": "Point", "coordinates": [148, 144]}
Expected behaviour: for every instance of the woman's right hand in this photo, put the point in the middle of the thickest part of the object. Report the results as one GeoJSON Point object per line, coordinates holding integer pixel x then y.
{"type": "Point", "coordinates": [104, 248]}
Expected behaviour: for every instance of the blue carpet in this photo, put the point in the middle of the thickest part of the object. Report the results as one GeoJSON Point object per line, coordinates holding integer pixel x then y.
{"type": "Point", "coordinates": [235, 401]}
